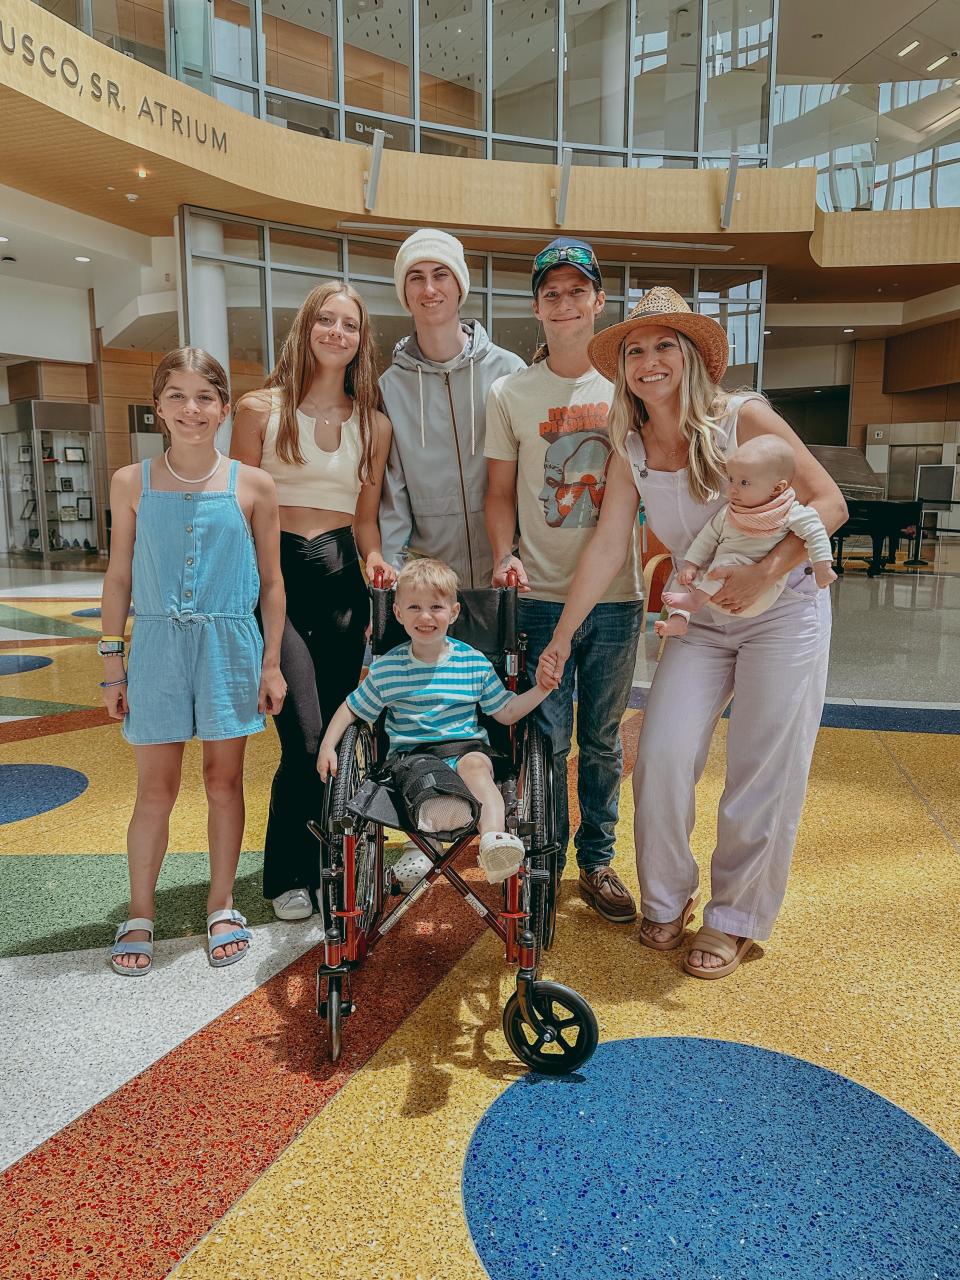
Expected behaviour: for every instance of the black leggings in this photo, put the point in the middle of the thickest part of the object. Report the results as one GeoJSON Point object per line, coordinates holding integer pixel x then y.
{"type": "Point", "coordinates": [321, 657]}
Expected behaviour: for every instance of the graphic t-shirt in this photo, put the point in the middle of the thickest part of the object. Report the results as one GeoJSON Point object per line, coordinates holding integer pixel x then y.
{"type": "Point", "coordinates": [555, 429]}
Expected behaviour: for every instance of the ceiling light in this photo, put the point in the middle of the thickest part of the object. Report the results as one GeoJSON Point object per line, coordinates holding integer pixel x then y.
{"type": "Point", "coordinates": [848, 331]}
{"type": "Point", "coordinates": [767, 333]}
{"type": "Point", "coordinates": [80, 258]}
{"type": "Point", "coordinates": [141, 173]}
{"type": "Point", "coordinates": [909, 49]}
{"type": "Point", "coordinates": [4, 239]}
{"type": "Point", "coordinates": [817, 35]}
{"type": "Point", "coordinates": [939, 62]}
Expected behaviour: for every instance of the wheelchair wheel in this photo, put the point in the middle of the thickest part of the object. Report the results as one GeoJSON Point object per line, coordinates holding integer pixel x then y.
{"type": "Point", "coordinates": [537, 806]}
{"type": "Point", "coordinates": [575, 1023]}
{"type": "Point", "coordinates": [355, 761]}
{"type": "Point", "coordinates": [333, 1018]}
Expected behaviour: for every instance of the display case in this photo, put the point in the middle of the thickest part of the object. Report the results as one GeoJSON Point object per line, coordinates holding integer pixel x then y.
{"type": "Point", "coordinates": [49, 467]}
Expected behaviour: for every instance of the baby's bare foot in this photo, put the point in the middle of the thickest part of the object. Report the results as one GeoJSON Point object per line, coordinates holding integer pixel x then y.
{"type": "Point", "coordinates": [675, 625]}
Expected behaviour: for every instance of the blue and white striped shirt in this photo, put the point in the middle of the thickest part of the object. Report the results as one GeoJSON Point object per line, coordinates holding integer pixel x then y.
{"type": "Point", "coordinates": [430, 702]}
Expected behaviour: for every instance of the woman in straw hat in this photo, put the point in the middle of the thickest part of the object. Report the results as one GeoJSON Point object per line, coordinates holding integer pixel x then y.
{"type": "Point", "coordinates": [673, 427]}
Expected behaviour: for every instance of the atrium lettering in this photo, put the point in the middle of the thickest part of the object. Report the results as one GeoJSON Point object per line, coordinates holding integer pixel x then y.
{"type": "Point", "coordinates": [45, 61]}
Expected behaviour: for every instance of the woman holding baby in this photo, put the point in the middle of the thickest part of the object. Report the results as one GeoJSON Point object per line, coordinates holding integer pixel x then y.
{"type": "Point", "coordinates": [764, 634]}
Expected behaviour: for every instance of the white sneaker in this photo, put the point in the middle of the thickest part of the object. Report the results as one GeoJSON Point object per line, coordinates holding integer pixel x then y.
{"type": "Point", "coordinates": [295, 904]}
{"type": "Point", "coordinates": [412, 865]}
{"type": "Point", "coordinates": [500, 855]}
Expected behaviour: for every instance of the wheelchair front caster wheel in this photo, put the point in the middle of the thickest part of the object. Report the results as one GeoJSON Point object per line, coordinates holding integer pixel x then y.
{"type": "Point", "coordinates": [331, 1010]}
{"type": "Point", "coordinates": [571, 1030]}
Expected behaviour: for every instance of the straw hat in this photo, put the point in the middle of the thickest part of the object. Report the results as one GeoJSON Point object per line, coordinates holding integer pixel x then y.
{"type": "Point", "coordinates": [664, 308]}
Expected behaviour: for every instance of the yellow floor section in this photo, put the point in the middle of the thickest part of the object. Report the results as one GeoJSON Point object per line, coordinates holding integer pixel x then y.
{"type": "Point", "coordinates": [96, 821]}
{"type": "Point", "coordinates": [858, 977]}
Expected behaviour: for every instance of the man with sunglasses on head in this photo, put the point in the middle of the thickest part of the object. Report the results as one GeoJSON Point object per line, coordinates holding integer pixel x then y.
{"type": "Point", "coordinates": [547, 453]}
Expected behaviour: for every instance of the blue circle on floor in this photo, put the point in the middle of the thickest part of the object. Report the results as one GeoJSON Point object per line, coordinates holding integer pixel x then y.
{"type": "Point", "coordinates": [85, 613]}
{"type": "Point", "coordinates": [29, 789]}
{"type": "Point", "coordinates": [11, 664]}
{"type": "Point", "coordinates": [683, 1158]}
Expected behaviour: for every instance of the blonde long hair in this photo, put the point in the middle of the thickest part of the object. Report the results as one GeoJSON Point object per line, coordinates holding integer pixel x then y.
{"type": "Point", "coordinates": [295, 368]}
{"type": "Point", "coordinates": [703, 405]}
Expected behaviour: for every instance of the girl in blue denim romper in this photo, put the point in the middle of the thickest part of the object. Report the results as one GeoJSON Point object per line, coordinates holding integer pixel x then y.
{"type": "Point", "coordinates": [198, 665]}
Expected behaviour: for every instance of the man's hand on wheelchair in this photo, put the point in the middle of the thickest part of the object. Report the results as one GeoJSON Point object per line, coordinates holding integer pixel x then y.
{"type": "Point", "coordinates": [546, 674]}
{"type": "Point", "coordinates": [510, 564]}
{"type": "Point", "coordinates": [326, 761]}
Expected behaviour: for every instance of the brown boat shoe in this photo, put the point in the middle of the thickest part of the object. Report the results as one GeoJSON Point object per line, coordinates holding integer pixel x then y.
{"type": "Point", "coordinates": [607, 894]}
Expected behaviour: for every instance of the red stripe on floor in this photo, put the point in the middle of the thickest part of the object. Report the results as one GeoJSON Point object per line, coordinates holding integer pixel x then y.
{"type": "Point", "coordinates": [65, 722]}
{"type": "Point", "coordinates": [130, 1187]}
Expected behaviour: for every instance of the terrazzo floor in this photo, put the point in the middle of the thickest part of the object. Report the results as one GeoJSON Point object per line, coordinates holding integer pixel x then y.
{"type": "Point", "coordinates": [798, 1119]}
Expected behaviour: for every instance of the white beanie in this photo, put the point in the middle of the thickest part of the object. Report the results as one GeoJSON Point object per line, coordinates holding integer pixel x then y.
{"type": "Point", "coordinates": [428, 245]}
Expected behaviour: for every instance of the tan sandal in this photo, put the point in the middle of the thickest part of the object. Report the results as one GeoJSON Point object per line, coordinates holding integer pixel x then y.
{"type": "Point", "coordinates": [670, 944]}
{"type": "Point", "coordinates": [717, 944]}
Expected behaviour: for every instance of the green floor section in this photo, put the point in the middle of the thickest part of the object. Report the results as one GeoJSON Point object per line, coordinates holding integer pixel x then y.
{"type": "Point", "coordinates": [34, 707]}
{"type": "Point", "coordinates": [75, 902]}
{"type": "Point", "coordinates": [24, 620]}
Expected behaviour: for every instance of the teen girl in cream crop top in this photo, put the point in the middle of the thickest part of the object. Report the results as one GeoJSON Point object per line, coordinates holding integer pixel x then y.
{"type": "Point", "coordinates": [328, 481]}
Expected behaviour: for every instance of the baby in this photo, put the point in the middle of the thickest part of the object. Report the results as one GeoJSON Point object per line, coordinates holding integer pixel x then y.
{"type": "Point", "coordinates": [761, 510]}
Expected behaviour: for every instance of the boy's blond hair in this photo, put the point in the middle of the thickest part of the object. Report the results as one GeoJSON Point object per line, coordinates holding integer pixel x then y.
{"type": "Point", "coordinates": [430, 575]}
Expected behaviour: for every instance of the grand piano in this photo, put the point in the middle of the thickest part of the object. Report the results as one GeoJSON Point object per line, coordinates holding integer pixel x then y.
{"type": "Point", "coordinates": [883, 520]}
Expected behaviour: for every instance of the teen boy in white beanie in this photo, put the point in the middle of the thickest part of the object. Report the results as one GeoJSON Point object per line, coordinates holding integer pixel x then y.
{"type": "Point", "coordinates": [435, 394]}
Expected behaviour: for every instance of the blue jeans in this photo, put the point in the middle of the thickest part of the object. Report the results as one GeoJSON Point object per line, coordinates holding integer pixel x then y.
{"type": "Point", "coordinates": [602, 660]}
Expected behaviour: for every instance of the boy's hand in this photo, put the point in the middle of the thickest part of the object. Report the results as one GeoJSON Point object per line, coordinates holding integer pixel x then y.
{"type": "Point", "coordinates": [547, 677]}
{"type": "Point", "coordinates": [327, 761]}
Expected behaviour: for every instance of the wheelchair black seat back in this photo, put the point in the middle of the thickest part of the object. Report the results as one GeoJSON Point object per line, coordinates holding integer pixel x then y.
{"type": "Point", "coordinates": [548, 1026]}
{"type": "Point", "coordinates": [487, 621]}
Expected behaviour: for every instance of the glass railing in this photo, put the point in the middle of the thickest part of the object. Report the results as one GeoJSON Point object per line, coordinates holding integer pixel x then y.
{"type": "Point", "coordinates": [894, 145]}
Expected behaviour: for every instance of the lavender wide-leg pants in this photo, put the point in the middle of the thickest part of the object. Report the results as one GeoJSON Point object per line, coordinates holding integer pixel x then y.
{"type": "Point", "coordinates": [775, 667]}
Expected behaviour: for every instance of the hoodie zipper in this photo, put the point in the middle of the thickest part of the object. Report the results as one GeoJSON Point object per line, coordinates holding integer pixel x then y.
{"type": "Point", "coordinates": [463, 490]}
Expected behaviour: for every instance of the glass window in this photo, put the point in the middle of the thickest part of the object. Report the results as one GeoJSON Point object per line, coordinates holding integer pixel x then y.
{"type": "Point", "coordinates": [739, 283]}
{"type": "Point", "coordinates": [662, 162]}
{"type": "Point", "coordinates": [301, 249]}
{"type": "Point", "coordinates": [217, 236]}
{"type": "Point", "coordinates": [246, 329]}
{"type": "Point", "coordinates": [524, 152]}
{"type": "Point", "coordinates": [739, 42]}
{"type": "Point", "coordinates": [463, 146]}
{"type": "Point", "coordinates": [388, 320]}
{"type": "Point", "coordinates": [595, 73]}
{"type": "Point", "coordinates": [135, 29]}
{"type": "Point", "coordinates": [302, 117]}
{"type": "Point", "coordinates": [376, 55]}
{"type": "Point", "coordinates": [451, 63]}
{"type": "Point", "coordinates": [513, 273]}
{"type": "Point", "coordinates": [648, 276]}
{"type": "Point", "coordinates": [599, 159]}
{"type": "Point", "coordinates": [232, 47]}
{"type": "Point", "coordinates": [397, 137]}
{"type": "Point", "coordinates": [241, 99]}
{"type": "Point", "coordinates": [514, 326]}
{"type": "Point", "coordinates": [371, 258]}
{"type": "Point", "coordinates": [525, 61]}
{"type": "Point", "coordinates": [66, 10]}
{"type": "Point", "coordinates": [666, 55]}
{"type": "Point", "coordinates": [301, 47]}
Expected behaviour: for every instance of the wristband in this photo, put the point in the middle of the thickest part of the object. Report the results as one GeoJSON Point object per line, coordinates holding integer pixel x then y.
{"type": "Point", "coordinates": [109, 684]}
{"type": "Point", "coordinates": [110, 646]}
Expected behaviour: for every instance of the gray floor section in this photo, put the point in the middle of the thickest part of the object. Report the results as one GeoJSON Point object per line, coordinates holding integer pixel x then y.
{"type": "Point", "coordinates": [73, 1031]}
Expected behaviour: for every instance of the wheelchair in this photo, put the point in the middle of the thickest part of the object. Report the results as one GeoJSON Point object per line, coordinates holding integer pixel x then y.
{"type": "Point", "coordinates": [548, 1026]}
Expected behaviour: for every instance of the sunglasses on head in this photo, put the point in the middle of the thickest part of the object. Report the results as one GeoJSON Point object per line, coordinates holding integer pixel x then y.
{"type": "Point", "coordinates": [569, 253]}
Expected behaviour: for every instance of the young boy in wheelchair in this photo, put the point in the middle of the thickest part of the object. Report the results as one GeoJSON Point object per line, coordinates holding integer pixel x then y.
{"type": "Point", "coordinates": [431, 689]}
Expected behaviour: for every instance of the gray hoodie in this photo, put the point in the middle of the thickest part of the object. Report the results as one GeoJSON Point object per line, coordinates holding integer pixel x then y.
{"type": "Point", "coordinates": [436, 476]}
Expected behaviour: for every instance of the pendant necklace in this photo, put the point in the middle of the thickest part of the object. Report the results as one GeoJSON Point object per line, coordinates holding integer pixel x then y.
{"type": "Point", "coordinates": [197, 479]}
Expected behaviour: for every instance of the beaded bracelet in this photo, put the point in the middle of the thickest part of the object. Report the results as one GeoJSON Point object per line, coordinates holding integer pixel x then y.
{"type": "Point", "coordinates": [108, 684]}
